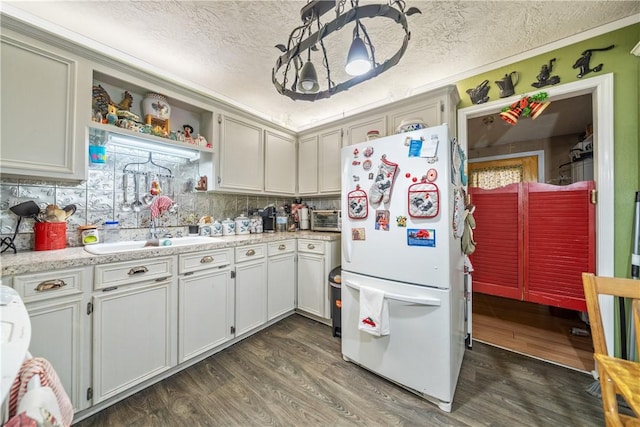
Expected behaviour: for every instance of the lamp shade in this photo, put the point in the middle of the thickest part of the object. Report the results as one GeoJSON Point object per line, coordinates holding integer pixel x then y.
{"type": "Point", "coordinates": [358, 60]}
{"type": "Point", "coordinates": [308, 82]}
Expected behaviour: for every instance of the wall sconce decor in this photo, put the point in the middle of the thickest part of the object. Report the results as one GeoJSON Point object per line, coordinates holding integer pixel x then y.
{"type": "Point", "coordinates": [529, 106]}
{"type": "Point", "coordinates": [294, 74]}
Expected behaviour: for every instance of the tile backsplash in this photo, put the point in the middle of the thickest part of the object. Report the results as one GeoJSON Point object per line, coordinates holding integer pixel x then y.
{"type": "Point", "coordinates": [101, 198]}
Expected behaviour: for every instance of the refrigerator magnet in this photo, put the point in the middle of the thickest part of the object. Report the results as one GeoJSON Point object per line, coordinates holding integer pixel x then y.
{"type": "Point", "coordinates": [382, 220]}
{"type": "Point", "coordinates": [421, 237]}
{"type": "Point", "coordinates": [401, 221]}
{"type": "Point", "coordinates": [357, 234]}
{"type": "Point", "coordinates": [366, 165]}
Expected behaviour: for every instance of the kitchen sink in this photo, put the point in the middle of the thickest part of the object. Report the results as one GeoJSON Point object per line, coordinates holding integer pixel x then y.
{"type": "Point", "coordinates": [141, 245]}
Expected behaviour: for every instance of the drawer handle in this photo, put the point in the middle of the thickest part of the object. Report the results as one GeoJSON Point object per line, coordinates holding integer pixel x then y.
{"type": "Point", "coordinates": [47, 285]}
{"type": "Point", "coordinates": [137, 270]}
{"type": "Point", "coordinates": [206, 259]}
{"type": "Point", "coordinates": [250, 252]}
{"type": "Point", "coordinates": [310, 246]}
{"type": "Point", "coordinates": [282, 247]}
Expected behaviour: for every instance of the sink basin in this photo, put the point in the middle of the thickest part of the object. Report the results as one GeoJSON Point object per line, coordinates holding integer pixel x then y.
{"type": "Point", "coordinates": [141, 245]}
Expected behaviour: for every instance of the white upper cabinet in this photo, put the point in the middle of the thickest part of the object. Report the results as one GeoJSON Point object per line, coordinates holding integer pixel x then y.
{"type": "Point", "coordinates": [241, 155]}
{"type": "Point", "coordinates": [329, 146]}
{"type": "Point", "coordinates": [308, 165]}
{"type": "Point", "coordinates": [357, 132]}
{"type": "Point", "coordinates": [42, 135]}
{"type": "Point", "coordinates": [279, 163]}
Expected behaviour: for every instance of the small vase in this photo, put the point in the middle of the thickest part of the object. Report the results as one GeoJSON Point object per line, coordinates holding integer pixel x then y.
{"type": "Point", "coordinates": [156, 106]}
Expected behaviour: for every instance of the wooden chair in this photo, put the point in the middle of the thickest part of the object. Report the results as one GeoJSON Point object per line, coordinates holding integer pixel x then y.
{"type": "Point", "coordinates": [617, 376]}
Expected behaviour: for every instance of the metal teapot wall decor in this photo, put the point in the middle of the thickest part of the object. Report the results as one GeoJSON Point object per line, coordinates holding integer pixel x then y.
{"type": "Point", "coordinates": [478, 94]}
{"type": "Point", "coordinates": [507, 84]}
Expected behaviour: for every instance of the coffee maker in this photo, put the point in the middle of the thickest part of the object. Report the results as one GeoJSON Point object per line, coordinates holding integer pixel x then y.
{"type": "Point", "coordinates": [268, 215]}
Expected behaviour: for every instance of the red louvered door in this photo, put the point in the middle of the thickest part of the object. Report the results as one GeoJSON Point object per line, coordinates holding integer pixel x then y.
{"type": "Point", "coordinates": [497, 260]}
{"type": "Point", "coordinates": [559, 243]}
{"type": "Point", "coordinates": [534, 241]}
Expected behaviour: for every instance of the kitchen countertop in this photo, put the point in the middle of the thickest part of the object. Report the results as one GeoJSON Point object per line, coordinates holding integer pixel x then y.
{"type": "Point", "coordinates": [36, 261]}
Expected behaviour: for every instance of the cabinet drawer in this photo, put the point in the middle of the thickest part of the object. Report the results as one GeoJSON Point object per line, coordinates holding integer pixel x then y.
{"type": "Point", "coordinates": [283, 247]}
{"type": "Point", "coordinates": [129, 272]}
{"type": "Point", "coordinates": [250, 252]}
{"type": "Point", "coordinates": [51, 284]}
{"type": "Point", "coordinates": [311, 246]}
{"type": "Point", "coordinates": [205, 259]}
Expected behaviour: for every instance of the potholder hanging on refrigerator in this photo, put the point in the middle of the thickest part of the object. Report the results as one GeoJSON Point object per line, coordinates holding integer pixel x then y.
{"type": "Point", "coordinates": [424, 200]}
{"type": "Point", "coordinates": [383, 182]}
{"type": "Point", "coordinates": [357, 202]}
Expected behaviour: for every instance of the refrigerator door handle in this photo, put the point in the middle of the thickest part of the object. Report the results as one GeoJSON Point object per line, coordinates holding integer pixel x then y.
{"type": "Point", "coordinates": [402, 298]}
{"type": "Point", "coordinates": [346, 242]}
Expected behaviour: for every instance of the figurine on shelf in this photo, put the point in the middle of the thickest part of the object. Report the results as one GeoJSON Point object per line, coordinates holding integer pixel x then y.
{"type": "Point", "coordinates": [188, 130]}
{"type": "Point", "coordinates": [112, 117]}
{"type": "Point", "coordinates": [544, 78]}
{"type": "Point", "coordinates": [583, 62]}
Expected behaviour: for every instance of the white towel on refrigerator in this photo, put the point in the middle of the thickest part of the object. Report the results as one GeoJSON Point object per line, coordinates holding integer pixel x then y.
{"type": "Point", "coordinates": [374, 312]}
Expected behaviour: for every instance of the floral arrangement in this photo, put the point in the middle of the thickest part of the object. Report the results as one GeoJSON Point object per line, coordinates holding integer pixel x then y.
{"type": "Point", "coordinates": [529, 106]}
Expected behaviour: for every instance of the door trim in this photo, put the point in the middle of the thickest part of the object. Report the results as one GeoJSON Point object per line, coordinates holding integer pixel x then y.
{"type": "Point", "coordinates": [601, 90]}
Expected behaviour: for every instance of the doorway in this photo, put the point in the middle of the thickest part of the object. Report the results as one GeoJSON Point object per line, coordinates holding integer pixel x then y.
{"type": "Point", "coordinates": [594, 96]}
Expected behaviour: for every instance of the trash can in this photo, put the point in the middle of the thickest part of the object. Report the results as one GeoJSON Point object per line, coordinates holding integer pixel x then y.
{"type": "Point", "coordinates": [336, 300]}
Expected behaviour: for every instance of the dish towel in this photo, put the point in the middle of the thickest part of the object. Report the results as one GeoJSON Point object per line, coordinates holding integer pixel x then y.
{"type": "Point", "coordinates": [160, 205]}
{"type": "Point", "coordinates": [374, 312]}
{"type": "Point", "coordinates": [48, 378]}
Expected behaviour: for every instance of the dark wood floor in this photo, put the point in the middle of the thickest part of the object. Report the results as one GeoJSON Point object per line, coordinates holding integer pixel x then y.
{"type": "Point", "coordinates": [292, 374]}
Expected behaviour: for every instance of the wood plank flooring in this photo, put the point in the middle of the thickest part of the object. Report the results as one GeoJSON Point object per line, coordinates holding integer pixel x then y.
{"type": "Point", "coordinates": [531, 329]}
{"type": "Point", "coordinates": [293, 374]}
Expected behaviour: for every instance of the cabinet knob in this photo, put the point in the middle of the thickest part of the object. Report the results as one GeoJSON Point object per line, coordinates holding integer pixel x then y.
{"type": "Point", "coordinates": [282, 247]}
{"type": "Point", "coordinates": [250, 252]}
{"type": "Point", "coordinates": [138, 270]}
{"type": "Point", "coordinates": [47, 285]}
{"type": "Point", "coordinates": [310, 246]}
{"type": "Point", "coordinates": [206, 259]}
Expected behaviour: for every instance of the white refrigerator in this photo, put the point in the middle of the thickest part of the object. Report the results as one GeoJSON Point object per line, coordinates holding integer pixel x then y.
{"type": "Point", "coordinates": [402, 219]}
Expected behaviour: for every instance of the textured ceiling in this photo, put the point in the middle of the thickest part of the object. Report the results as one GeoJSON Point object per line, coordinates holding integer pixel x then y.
{"type": "Point", "coordinates": [227, 47]}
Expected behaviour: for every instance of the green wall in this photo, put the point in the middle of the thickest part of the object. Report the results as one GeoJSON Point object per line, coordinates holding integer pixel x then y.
{"type": "Point", "coordinates": [626, 70]}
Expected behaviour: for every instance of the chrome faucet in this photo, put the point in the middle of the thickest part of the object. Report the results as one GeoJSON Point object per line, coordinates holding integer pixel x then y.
{"type": "Point", "coordinates": [153, 232]}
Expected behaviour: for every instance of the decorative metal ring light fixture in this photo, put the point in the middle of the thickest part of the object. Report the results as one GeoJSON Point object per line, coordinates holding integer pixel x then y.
{"type": "Point", "coordinates": [305, 85]}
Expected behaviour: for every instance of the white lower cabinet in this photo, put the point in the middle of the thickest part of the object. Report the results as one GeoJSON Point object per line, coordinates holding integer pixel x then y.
{"type": "Point", "coordinates": [205, 302]}
{"type": "Point", "coordinates": [251, 288]}
{"type": "Point", "coordinates": [134, 325]}
{"type": "Point", "coordinates": [316, 259]}
{"type": "Point", "coordinates": [281, 278]}
{"type": "Point", "coordinates": [56, 305]}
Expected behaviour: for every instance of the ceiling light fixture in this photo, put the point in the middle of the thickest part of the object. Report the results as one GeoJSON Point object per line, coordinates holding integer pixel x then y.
{"type": "Point", "coordinates": [299, 81]}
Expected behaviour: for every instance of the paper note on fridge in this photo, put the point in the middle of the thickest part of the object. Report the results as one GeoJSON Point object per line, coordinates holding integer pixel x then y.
{"type": "Point", "coordinates": [423, 147]}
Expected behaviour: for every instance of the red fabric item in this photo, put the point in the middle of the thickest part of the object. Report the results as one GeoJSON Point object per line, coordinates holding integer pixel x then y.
{"type": "Point", "coordinates": [160, 205]}
{"type": "Point", "coordinates": [48, 378]}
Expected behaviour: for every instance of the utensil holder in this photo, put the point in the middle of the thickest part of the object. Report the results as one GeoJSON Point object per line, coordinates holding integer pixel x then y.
{"type": "Point", "coordinates": [49, 236]}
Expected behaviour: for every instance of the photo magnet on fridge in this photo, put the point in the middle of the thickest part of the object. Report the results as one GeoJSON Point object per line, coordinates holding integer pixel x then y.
{"type": "Point", "coordinates": [382, 220]}
{"type": "Point", "coordinates": [421, 237]}
{"type": "Point", "coordinates": [357, 234]}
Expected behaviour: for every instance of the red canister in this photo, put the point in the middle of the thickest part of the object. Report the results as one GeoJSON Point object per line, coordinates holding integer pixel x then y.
{"type": "Point", "coordinates": [49, 236]}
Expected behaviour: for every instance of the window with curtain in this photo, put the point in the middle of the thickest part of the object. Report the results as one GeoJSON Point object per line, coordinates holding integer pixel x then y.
{"type": "Point", "coordinates": [498, 173]}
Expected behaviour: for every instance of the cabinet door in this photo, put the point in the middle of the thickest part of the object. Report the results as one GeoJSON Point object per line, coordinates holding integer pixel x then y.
{"type": "Point", "coordinates": [429, 112]}
{"type": "Point", "coordinates": [38, 113]}
{"type": "Point", "coordinates": [132, 339]}
{"type": "Point", "coordinates": [205, 312]}
{"type": "Point", "coordinates": [308, 165]}
{"type": "Point", "coordinates": [329, 146]}
{"type": "Point", "coordinates": [281, 281]}
{"type": "Point", "coordinates": [280, 163]}
{"type": "Point", "coordinates": [56, 335]}
{"type": "Point", "coordinates": [251, 295]}
{"type": "Point", "coordinates": [311, 284]}
{"type": "Point", "coordinates": [357, 132]}
{"type": "Point", "coordinates": [241, 155]}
